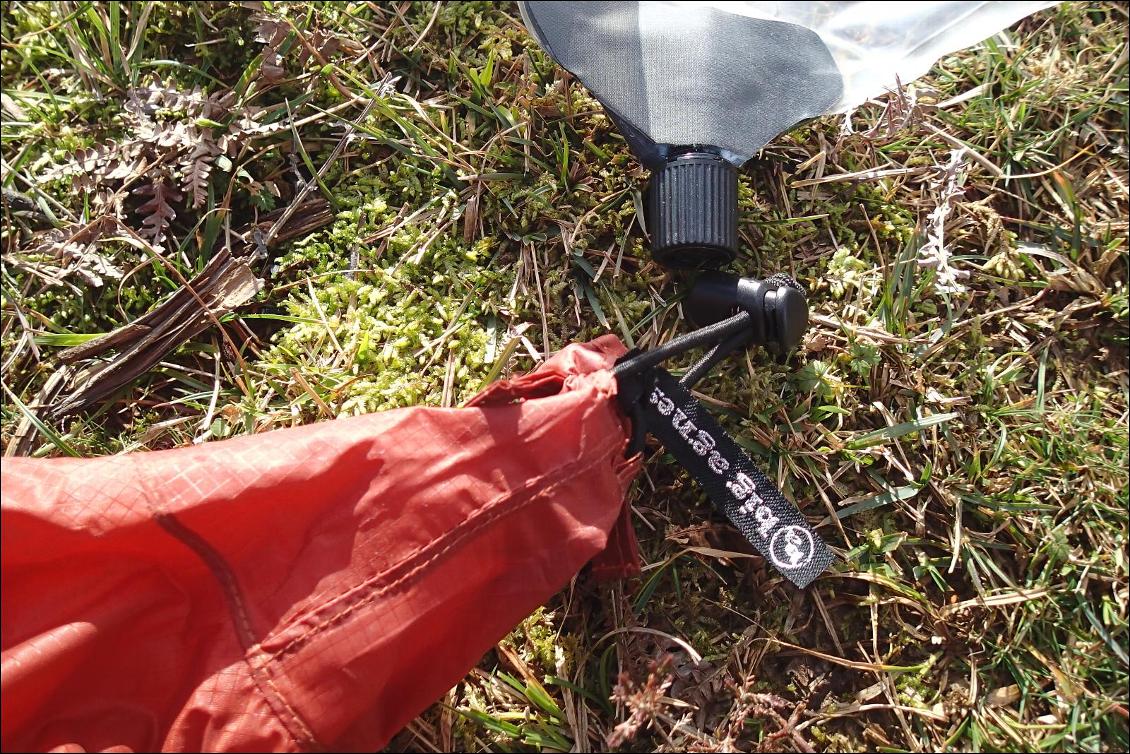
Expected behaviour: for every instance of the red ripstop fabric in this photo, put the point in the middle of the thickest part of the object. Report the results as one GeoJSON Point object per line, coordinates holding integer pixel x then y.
{"type": "Point", "coordinates": [307, 588]}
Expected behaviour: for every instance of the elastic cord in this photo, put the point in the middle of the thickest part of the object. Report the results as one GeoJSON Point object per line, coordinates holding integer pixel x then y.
{"type": "Point", "coordinates": [719, 332]}
{"type": "Point", "coordinates": [703, 366]}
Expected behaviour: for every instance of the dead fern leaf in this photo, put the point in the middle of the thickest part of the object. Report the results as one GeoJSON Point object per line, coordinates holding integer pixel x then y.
{"type": "Point", "coordinates": [324, 44]}
{"type": "Point", "coordinates": [272, 33]}
{"type": "Point", "coordinates": [217, 105]}
{"type": "Point", "coordinates": [163, 129]}
{"type": "Point", "coordinates": [109, 202]}
{"type": "Point", "coordinates": [317, 44]}
{"type": "Point", "coordinates": [197, 167]}
{"type": "Point", "coordinates": [157, 213]}
{"type": "Point", "coordinates": [87, 160]}
{"type": "Point", "coordinates": [61, 252]}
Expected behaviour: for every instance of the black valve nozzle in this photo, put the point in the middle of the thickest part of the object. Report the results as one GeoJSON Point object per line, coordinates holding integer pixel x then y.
{"type": "Point", "coordinates": [691, 207]}
{"type": "Point", "coordinates": [778, 306]}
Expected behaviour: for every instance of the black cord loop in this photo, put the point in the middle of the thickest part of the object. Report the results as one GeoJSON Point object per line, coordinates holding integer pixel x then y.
{"type": "Point", "coordinates": [635, 364]}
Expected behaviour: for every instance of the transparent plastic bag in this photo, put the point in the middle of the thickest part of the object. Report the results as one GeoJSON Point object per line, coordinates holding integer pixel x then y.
{"type": "Point", "coordinates": [878, 44]}
{"type": "Point", "coordinates": [733, 75]}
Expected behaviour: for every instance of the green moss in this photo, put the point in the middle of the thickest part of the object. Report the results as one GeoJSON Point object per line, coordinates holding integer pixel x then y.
{"type": "Point", "coordinates": [535, 639]}
{"type": "Point", "coordinates": [386, 338]}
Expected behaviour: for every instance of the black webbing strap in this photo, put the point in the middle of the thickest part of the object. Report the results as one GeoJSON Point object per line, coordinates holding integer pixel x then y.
{"type": "Point", "coordinates": [658, 403]}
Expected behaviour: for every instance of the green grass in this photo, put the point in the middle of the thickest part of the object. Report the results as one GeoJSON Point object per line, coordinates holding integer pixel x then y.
{"type": "Point", "coordinates": [966, 452]}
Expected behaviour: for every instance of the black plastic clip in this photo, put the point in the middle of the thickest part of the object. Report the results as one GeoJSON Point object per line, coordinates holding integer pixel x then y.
{"type": "Point", "coordinates": [732, 313]}
{"type": "Point", "coordinates": [657, 403]}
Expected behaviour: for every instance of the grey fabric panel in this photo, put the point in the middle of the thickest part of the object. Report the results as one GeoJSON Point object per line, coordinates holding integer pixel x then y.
{"type": "Point", "coordinates": [690, 75]}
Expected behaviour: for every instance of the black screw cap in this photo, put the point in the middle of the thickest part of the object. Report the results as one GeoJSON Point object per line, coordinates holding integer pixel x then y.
{"type": "Point", "coordinates": [691, 207]}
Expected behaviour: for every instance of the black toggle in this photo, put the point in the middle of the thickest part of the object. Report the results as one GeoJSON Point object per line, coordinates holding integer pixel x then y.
{"type": "Point", "coordinates": [778, 305]}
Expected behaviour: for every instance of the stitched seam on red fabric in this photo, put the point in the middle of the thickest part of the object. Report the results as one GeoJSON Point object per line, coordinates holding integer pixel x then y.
{"type": "Point", "coordinates": [221, 571]}
{"type": "Point", "coordinates": [456, 440]}
{"type": "Point", "coordinates": [372, 588]}
{"type": "Point", "coordinates": [329, 604]}
{"type": "Point", "coordinates": [223, 575]}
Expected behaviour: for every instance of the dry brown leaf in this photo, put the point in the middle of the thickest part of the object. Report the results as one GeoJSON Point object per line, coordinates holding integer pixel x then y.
{"type": "Point", "coordinates": [1005, 696]}
{"type": "Point", "coordinates": [157, 212]}
{"type": "Point", "coordinates": [223, 284]}
{"type": "Point", "coordinates": [226, 282]}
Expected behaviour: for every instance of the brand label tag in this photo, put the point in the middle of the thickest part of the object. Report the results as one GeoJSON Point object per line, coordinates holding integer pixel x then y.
{"type": "Point", "coordinates": [747, 497]}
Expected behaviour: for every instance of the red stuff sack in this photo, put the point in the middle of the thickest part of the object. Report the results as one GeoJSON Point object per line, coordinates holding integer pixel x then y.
{"type": "Point", "coordinates": [306, 588]}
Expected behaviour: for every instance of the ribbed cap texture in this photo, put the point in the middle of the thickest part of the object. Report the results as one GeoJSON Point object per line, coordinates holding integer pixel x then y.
{"type": "Point", "coordinates": [692, 216]}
